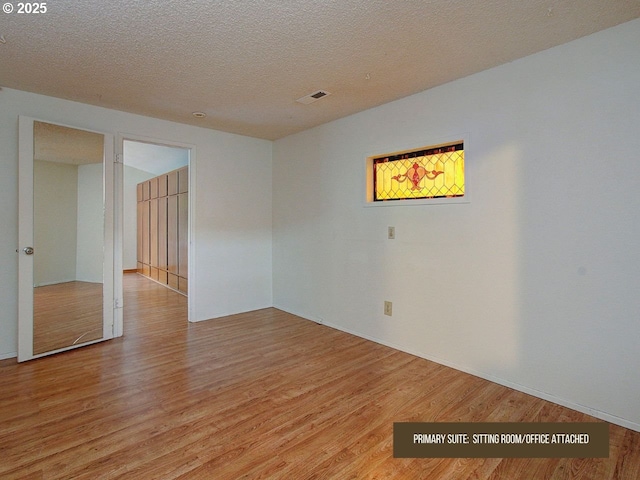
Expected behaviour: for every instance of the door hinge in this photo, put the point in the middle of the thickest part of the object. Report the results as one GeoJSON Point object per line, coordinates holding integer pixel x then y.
{"type": "Point", "coordinates": [119, 158]}
{"type": "Point", "coordinates": [117, 303]}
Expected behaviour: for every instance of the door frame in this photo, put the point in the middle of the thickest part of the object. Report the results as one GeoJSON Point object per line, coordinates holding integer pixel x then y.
{"type": "Point", "coordinates": [26, 237]}
{"type": "Point", "coordinates": [119, 236]}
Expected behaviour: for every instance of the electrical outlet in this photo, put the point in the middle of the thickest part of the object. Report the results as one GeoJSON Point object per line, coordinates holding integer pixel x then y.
{"type": "Point", "coordinates": [387, 308]}
{"type": "Point", "coordinates": [392, 233]}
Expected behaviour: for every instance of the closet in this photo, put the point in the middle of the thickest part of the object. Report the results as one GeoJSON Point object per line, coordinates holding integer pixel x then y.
{"type": "Point", "coordinates": [162, 229]}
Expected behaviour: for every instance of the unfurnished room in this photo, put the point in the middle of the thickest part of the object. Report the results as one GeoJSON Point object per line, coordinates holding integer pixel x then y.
{"type": "Point", "coordinates": [320, 240]}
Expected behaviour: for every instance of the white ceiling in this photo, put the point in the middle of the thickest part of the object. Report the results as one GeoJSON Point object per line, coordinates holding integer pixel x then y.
{"type": "Point", "coordinates": [244, 63]}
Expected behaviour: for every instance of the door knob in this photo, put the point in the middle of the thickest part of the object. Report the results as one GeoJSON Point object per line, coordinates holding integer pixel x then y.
{"type": "Point", "coordinates": [28, 250]}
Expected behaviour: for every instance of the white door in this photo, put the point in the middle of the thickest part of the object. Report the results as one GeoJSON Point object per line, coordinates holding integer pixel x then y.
{"type": "Point", "coordinates": [66, 238]}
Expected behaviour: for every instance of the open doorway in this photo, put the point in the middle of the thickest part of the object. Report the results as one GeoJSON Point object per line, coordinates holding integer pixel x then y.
{"type": "Point", "coordinates": [155, 213]}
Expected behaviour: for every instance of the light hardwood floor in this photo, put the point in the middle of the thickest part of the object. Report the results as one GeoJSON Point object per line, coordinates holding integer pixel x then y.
{"type": "Point", "coordinates": [65, 314]}
{"type": "Point", "coordinates": [262, 395]}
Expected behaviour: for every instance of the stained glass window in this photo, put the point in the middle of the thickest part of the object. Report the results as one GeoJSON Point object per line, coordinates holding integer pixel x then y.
{"type": "Point", "coordinates": [427, 173]}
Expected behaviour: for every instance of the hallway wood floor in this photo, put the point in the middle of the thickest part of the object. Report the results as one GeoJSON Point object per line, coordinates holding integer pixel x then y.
{"type": "Point", "coordinates": [262, 395]}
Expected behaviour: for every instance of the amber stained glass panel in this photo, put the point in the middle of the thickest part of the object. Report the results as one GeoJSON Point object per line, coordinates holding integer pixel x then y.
{"type": "Point", "coordinates": [428, 173]}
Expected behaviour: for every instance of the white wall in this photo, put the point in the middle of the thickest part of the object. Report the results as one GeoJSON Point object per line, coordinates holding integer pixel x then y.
{"type": "Point", "coordinates": [534, 283]}
{"type": "Point", "coordinates": [55, 195]}
{"type": "Point", "coordinates": [90, 250]}
{"type": "Point", "coordinates": [231, 243]}
{"type": "Point", "coordinates": [68, 225]}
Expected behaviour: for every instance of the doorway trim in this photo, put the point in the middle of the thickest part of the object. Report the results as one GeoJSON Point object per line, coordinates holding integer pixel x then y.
{"type": "Point", "coordinates": [119, 218]}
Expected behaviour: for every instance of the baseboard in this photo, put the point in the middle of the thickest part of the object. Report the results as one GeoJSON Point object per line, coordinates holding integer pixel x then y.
{"type": "Point", "coordinates": [46, 284]}
{"type": "Point", "coordinates": [506, 383]}
{"type": "Point", "coordinates": [160, 283]}
{"type": "Point", "coordinates": [130, 270]}
{"type": "Point", "coordinates": [5, 356]}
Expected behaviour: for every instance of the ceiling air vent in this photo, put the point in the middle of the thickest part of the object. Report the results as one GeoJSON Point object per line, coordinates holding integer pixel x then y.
{"type": "Point", "coordinates": [312, 97]}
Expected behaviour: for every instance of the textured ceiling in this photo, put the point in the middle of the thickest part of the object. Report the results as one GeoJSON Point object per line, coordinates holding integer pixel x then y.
{"type": "Point", "coordinates": [244, 63]}
{"type": "Point", "coordinates": [55, 143]}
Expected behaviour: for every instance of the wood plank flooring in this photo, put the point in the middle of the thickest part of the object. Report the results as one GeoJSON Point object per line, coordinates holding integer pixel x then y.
{"type": "Point", "coordinates": [262, 395]}
{"type": "Point", "coordinates": [65, 314]}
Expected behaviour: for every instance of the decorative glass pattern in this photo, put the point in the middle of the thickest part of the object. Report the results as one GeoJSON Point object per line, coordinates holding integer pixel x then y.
{"type": "Point", "coordinates": [427, 173]}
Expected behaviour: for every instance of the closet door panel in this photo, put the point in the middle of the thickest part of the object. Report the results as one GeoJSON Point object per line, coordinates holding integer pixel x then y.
{"type": "Point", "coordinates": [154, 187]}
{"type": "Point", "coordinates": [162, 233]}
{"type": "Point", "coordinates": [183, 218]}
{"type": "Point", "coordinates": [172, 234]}
{"type": "Point", "coordinates": [183, 285]}
{"type": "Point", "coordinates": [172, 281]}
{"type": "Point", "coordinates": [183, 180]}
{"type": "Point", "coordinates": [140, 224]}
{"type": "Point", "coordinates": [162, 185]}
{"type": "Point", "coordinates": [153, 235]}
{"type": "Point", "coordinates": [146, 190]}
{"type": "Point", "coordinates": [145, 233]}
{"type": "Point", "coordinates": [172, 183]}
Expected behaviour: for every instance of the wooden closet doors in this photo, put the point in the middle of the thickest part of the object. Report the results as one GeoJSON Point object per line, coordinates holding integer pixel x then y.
{"type": "Point", "coordinates": [163, 217]}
